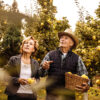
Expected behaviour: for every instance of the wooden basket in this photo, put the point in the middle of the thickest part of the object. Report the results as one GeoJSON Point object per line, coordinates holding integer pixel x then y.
{"type": "Point", "coordinates": [71, 80]}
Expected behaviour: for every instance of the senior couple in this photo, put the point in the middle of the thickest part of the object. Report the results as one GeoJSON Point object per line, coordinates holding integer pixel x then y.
{"type": "Point", "coordinates": [54, 64]}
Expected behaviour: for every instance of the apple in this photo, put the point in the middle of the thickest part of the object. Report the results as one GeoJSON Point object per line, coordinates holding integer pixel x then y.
{"type": "Point", "coordinates": [84, 76]}
{"type": "Point", "coordinates": [30, 80]}
{"type": "Point", "coordinates": [69, 73]}
{"type": "Point", "coordinates": [42, 24]}
{"type": "Point", "coordinates": [98, 82]}
{"type": "Point", "coordinates": [98, 48]}
{"type": "Point", "coordinates": [45, 3]}
{"type": "Point", "coordinates": [93, 37]}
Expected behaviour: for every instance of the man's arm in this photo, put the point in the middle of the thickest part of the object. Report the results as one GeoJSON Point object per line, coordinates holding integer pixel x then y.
{"type": "Point", "coordinates": [81, 69]}
{"type": "Point", "coordinates": [43, 72]}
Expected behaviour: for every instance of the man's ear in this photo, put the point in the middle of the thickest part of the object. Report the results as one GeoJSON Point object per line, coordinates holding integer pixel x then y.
{"type": "Point", "coordinates": [71, 42]}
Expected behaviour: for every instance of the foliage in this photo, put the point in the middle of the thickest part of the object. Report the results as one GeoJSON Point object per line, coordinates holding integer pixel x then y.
{"type": "Point", "coordinates": [3, 25]}
{"type": "Point", "coordinates": [11, 42]}
{"type": "Point", "coordinates": [98, 11]}
{"type": "Point", "coordinates": [46, 27]}
{"type": "Point", "coordinates": [15, 6]}
{"type": "Point", "coordinates": [1, 4]}
{"type": "Point", "coordinates": [88, 31]}
{"type": "Point", "coordinates": [10, 31]}
{"type": "Point", "coordinates": [89, 44]}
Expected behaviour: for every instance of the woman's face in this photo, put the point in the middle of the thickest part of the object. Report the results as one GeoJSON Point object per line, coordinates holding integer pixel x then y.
{"type": "Point", "coordinates": [28, 46]}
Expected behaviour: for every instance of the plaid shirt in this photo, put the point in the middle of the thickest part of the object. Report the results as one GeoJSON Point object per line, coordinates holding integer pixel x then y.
{"type": "Point", "coordinates": [81, 69]}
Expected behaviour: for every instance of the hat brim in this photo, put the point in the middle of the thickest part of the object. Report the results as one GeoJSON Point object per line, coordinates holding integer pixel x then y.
{"type": "Point", "coordinates": [74, 38]}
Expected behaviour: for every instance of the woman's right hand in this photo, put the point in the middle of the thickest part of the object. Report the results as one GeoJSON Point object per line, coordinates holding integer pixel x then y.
{"type": "Point", "coordinates": [22, 81]}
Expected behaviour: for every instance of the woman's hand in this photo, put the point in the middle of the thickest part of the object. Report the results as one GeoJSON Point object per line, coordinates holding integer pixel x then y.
{"type": "Point", "coordinates": [22, 81]}
{"type": "Point", "coordinates": [83, 88]}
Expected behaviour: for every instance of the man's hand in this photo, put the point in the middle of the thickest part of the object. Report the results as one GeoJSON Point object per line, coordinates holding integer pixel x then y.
{"type": "Point", "coordinates": [22, 81]}
{"type": "Point", "coordinates": [46, 64]}
{"type": "Point", "coordinates": [83, 88]}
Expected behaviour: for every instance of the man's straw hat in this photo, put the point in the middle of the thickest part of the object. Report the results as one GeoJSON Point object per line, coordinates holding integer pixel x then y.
{"type": "Point", "coordinates": [69, 33]}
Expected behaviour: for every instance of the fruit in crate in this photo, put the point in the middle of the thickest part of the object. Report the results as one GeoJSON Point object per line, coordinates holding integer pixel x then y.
{"type": "Point", "coordinates": [98, 82]}
{"type": "Point", "coordinates": [84, 76]}
{"type": "Point", "coordinates": [71, 80]}
{"type": "Point", "coordinates": [69, 72]}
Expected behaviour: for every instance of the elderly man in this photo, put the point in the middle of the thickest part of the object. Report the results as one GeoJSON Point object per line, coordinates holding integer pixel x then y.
{"type": "Point", "coordinates": [59, 61]}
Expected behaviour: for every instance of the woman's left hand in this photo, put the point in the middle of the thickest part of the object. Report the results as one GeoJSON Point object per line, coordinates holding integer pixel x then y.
{"type": "Point", "coordinates": [22, 81]}
{"type": "Point", "coordinates": [83, 88]}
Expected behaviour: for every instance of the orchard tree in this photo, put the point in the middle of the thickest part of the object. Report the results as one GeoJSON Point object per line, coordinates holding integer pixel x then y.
{"type": "Point", "coordinates": [88, 32]}
{"type": "Point", "coordinates": [98, 11]}
{"type": "Point", "coordinates": [11, 42]}
{"type": "Point", "coordinates": [15, 6]}
{"type": "Point", "coordinates": [11, 14]}
{"type": "Point", "coordinates": [1, 4]}
{"type": "Point", "coordinates": [3, 26]}
{"type": "Point", "coordinates": [47, 27]}
{"type": "Point", "coordinates": [2, 21]}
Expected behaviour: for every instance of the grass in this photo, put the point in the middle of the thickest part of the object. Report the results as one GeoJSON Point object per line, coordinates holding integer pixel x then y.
{"type": "Point", "coordinates": [2, 89]}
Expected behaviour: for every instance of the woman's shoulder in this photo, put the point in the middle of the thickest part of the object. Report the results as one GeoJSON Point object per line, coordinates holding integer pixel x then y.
{"type": "Point", "coordinates": [15, 57]}
{"type": "Point", "coordinates": [34, 60]}
{"type": "Point", "coordinates": [35, 63]}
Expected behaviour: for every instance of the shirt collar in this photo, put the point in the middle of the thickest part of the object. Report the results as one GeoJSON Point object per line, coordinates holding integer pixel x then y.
{"type": "Point", "coordinates": [59, 50]}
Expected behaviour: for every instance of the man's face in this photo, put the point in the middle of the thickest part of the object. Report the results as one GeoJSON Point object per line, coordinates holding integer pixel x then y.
{"type": "Point", "coordinates": [66, 42]}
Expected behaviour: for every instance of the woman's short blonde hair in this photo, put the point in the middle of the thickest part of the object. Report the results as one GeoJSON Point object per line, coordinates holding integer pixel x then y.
{"type": "Point", "coordinates": [27, 39]}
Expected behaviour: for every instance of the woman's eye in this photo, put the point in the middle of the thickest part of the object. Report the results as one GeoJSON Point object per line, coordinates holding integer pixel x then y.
{"type": "Point", "coordinates": [26, 43]}
{"type": "Point", "coordinates": [66, 38]}
{"type": "Point", "coordinates": [31, 43]}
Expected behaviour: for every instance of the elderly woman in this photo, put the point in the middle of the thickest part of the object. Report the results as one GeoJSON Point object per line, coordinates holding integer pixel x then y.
{"type": "Point", "coordinates": [21, 68]}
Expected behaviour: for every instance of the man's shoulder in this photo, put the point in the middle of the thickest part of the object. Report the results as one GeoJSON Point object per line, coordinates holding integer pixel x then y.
{"type": "Point", "coordinates": [74, 54]}
{"type": "Point", "coordinates": [16, 56]}
{"type": "Point", "coordinates": [52, 52]}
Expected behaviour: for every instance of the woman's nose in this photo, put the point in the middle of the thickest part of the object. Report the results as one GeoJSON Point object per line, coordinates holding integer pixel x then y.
{"type": "Point", "coordinates": [27, 44]}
